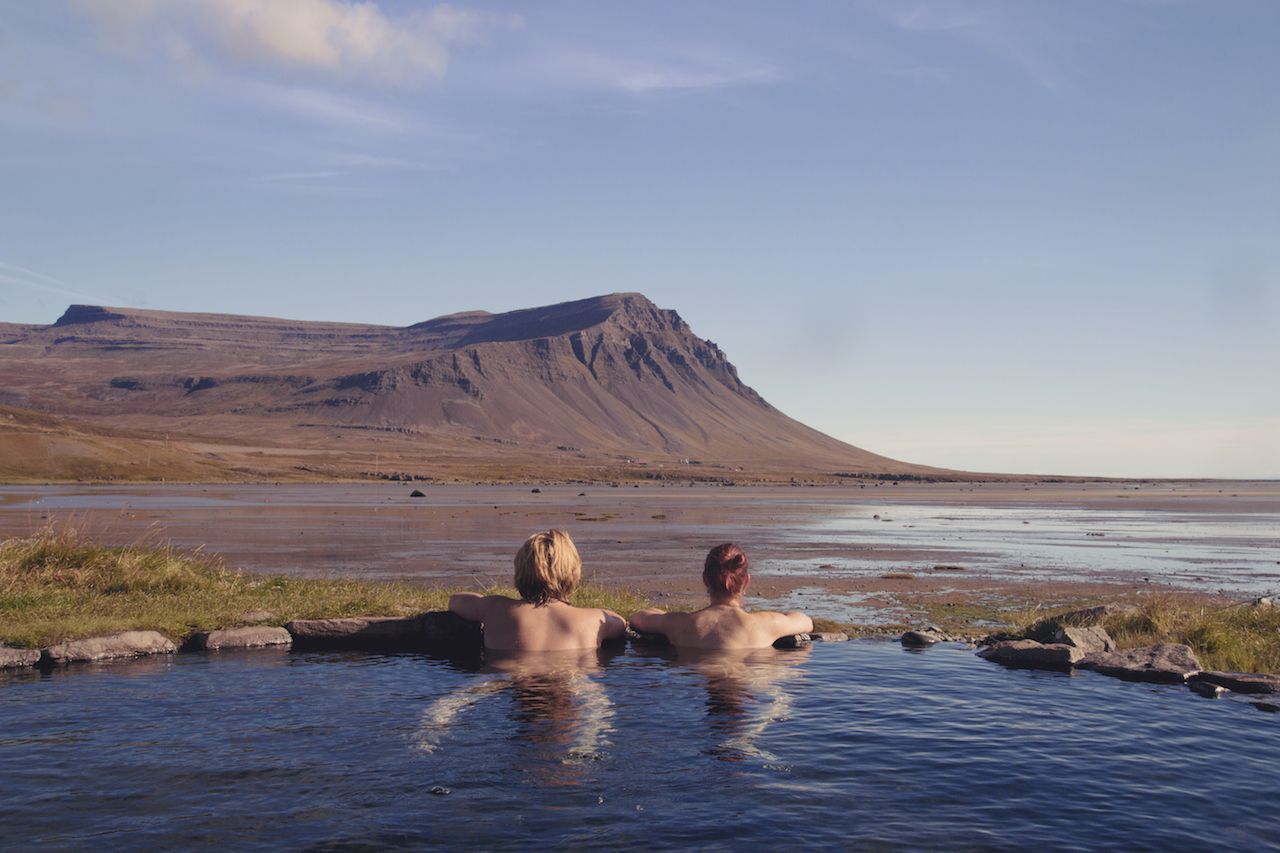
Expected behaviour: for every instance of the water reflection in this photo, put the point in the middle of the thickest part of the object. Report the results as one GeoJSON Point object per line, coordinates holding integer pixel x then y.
{"type": "Point", "coordinates": [560, 709]}
{"type": "Point", "coordinates": [748, 690]}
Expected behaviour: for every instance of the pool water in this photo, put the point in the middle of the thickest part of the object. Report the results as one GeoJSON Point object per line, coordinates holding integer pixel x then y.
{"type": "Point", "coordinates": [860, 744]}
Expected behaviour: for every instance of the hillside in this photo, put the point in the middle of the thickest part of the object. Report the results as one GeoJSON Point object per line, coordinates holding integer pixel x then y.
{"type": "Point", "coordinates": [596, 389]}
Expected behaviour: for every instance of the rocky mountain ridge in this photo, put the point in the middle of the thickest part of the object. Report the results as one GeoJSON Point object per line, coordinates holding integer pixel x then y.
{"type": "Point", "coordinates": [609, 376]}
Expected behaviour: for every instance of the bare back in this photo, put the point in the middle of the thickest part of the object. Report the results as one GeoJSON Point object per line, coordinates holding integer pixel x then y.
{"type": "Point", "coordinates": [722, 626]}
{"type": "Point", "coordinates": [514, 625]}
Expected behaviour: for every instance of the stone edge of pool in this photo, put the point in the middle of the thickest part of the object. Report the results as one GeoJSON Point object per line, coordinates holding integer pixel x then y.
{"type": "Point", "coordinates": [445, 633]}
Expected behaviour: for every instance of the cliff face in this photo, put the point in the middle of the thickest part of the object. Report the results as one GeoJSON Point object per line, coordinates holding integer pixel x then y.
{"type": "Point", "coordinates": [611, 374]}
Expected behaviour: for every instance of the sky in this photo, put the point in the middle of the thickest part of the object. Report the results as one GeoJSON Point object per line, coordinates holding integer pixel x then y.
{"type": "Point", "coordinates": [1022, 236]}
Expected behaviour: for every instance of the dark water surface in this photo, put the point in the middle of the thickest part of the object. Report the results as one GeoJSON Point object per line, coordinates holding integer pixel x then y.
{"type": "Point", "coordinates": [857, 745]}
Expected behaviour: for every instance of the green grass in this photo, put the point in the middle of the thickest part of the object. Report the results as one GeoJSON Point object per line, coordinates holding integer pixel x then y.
{"type": "Point", "coordinates": [54, 587]}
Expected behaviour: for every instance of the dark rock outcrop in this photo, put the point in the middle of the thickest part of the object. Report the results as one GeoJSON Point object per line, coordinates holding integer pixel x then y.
{"type": "Point", "coordinates": [129, 644]}
{"type": "Point", "coordinates": [1163, 663]}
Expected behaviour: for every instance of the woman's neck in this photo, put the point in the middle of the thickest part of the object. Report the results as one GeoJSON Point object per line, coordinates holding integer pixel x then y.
{"type": "Point", "coordinates": [726, 601]}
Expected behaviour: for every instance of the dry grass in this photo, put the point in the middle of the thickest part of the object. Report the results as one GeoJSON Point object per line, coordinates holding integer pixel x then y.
{"type": "Point", "coordinates": [54, 587]}
{"type": "Point", "coordinates": [1225, 635]}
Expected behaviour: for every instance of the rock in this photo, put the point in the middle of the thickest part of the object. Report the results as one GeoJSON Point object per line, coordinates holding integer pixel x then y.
{"type": "Point", "coordinates": [919, 639]}
{"type": "Point", "coordinates": [240, 638]}
{"type": "Point", "coordinates": [1163, 663]}
{"type": "Point", "coordinates": [535, 491]}
{"type": "Point", "coordinates": [1086, 639]}
{"type": "Point", "coordinates": [15, 658]}
{"type": "Point", "coordinates": [791, 641]}
{"type": "Point", "coordinates": [1032, 655]}
{"type": "Point", "coordinates": [417, 493]}
{"type": "Point", "coordinates": [1046, 629]}
{"type": "Point", "coordinates": [1273, 707]}
{"type": "Point", "coordinates": [999, 637]}
{"type": "Point", "coordinates": [440, 790]}
{"type": "Point", "coordinates": [437, 631]}
{"type": "Point", "coordinates": [828, 636]}
{"type": "Point", "coordinates": [1206, 689]}
{"type": "Point", "coordinates": [353, 632]}
{"type": "Point", "coordinates": [1265, 601]}
{"type": "Point", "coordinates": [926, 636]}
{"type": "Point", "coordinates": [130, 644]}
{"type": "Point", "coordinates": [1240, 682]}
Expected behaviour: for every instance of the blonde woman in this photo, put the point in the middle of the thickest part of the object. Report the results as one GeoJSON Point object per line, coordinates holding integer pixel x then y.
{"type": "Point", "coordinates": [548, 570]}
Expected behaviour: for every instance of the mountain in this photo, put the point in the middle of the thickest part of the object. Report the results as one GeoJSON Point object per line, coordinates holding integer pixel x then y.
{"type": "Point", "coordinates": [594, 389]}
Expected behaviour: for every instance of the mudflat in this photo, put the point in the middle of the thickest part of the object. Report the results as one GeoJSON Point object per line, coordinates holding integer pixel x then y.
{"type": "Point", "coordinates": [868, 553]}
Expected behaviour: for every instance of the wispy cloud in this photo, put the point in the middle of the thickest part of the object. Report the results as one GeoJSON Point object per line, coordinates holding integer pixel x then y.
{"type": "Point", "coordinates": [331, 108]}
{"type": "Point", "coordinates": [1003, 31]}
{"type": "Point", "coordinates": [338, 38]}
{"type": "Point", "coordinates": [689, 70]}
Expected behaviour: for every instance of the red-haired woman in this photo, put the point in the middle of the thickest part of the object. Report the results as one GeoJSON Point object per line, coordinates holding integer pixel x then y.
{"type": "Point", "coordinates": [723, 624]}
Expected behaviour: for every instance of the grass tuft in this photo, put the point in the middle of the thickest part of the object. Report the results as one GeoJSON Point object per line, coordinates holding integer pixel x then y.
{"type": "Point", "coordinates": [54, 587]}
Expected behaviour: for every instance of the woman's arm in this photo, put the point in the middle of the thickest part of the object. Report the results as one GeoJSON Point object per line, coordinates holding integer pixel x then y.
{"type": "Point", "coordinates": [614, 626]}
{"type": "Point", "coordinates": [468, 605]}
{"type": "Point", "coordinates": [648, 621]}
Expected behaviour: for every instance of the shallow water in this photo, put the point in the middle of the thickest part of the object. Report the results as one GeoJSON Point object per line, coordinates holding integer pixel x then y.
{"type": "Point", "coordinates": [634, 536]}
{"type": "Point", "coordinates": [854, 745]}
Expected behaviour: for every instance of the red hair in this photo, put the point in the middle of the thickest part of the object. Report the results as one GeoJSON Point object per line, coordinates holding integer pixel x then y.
{"type": "Point", "coordinates": [725, 571]}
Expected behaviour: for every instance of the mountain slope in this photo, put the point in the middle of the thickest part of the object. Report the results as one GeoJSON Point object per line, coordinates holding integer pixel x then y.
{"type": "Point", "coordinates": [604, 379]}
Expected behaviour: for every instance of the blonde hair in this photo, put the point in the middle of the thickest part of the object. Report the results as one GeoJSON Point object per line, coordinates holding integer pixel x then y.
{"type": "Point", "coordinates": [548, 567]}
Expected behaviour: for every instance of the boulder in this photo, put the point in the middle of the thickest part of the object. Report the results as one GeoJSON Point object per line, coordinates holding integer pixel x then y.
{"type": "Point", "coordinates": [791, 641]}
{"type": "Point", "coordinates": [437, 631]}
{"type": "Point", "coordinates": [828, 636]}
{"type": "Point", "coordinates": [1206, 689]}
{"type": "Point", "coordinates": [1163, 663]}
{"type": "Point", "coordinates": [926, 636]}
{"type": "Point", "coordinates": [1265, 602]}
{"type": "Point", "coordinates": [1087, 616]}
{"type": "Point", "coordinates": [1032, 655]}
{"type": "Point", "coordinates": [417, 493]}
{"type": "Point", "coordinates": [1273, 707]}
{"type": "Point", "coordinates": [1240, 682]}
{"type": "Point", "coordinates": [354, 632]}
{"type": "Point", "coordinates": [16, 658]}
{"type": "Point", "coordinates": [130, 644]}
{"type": "Point", "coordinates": [1086, 639]}
{"type": "Point", "coordinates": [240, 638]}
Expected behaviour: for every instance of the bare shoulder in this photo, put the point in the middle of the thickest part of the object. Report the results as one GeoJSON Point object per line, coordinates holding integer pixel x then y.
{"type": "Point", "coordinates": [477, 607]}
{"type": "Point", "coordinates": [782, 624]}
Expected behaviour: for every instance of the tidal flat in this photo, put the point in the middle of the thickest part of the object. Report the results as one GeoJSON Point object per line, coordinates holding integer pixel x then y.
{"type": "Point", "coordinates": [867, 554]}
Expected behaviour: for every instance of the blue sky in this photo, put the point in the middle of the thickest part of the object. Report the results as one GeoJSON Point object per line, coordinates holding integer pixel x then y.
{"type": "Point", "coordinates": [1004, 236]}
